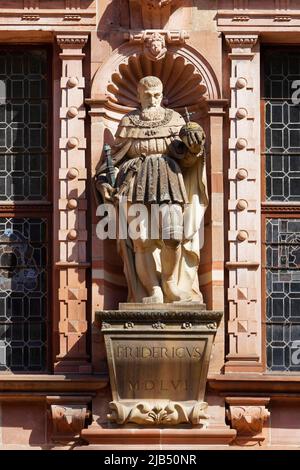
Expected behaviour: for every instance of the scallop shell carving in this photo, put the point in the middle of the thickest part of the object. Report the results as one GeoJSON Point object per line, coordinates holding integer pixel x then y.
{"type": "Point", "coordinates": [183, 85]}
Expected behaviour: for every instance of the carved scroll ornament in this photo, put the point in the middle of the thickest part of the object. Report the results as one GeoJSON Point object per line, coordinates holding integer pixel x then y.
{"type": "Point", "coordinates": [159, 413]}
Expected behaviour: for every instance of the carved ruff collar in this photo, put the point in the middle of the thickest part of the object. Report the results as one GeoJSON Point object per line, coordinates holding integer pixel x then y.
{"type": "Point", "coordinates": [135, 118]}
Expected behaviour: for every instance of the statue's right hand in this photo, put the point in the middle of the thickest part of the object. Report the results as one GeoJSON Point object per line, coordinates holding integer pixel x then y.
{"type": "Point", "coordinates": [106, 191]}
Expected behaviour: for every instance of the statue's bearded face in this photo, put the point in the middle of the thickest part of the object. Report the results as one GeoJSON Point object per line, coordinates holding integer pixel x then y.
{"type": "Point", "coordinates": [150, 97]}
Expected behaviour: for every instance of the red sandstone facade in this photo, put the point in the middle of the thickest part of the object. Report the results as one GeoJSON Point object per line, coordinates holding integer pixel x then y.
{"type": "Point", "coordinates": [213, 65]}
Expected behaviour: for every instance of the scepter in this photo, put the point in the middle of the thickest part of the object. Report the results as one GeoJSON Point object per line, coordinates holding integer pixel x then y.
{"type": "Point", "coordinates": [110, 169]}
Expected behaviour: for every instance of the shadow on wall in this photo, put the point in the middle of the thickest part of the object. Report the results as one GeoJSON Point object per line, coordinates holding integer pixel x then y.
{"type": "Point", "coordinates": [109, 272]}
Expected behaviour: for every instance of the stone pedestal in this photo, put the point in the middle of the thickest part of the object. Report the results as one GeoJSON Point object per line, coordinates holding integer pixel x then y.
{"type": "Point", "coordinates": [158, 361]}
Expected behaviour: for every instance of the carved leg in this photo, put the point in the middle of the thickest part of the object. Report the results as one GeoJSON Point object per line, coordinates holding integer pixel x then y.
{"type": "Point", "coordinates": [170, 259]}
{"type": "Point", "coordinates": [146, 271]}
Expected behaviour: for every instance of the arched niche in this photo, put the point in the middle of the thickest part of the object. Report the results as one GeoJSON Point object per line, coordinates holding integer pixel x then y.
{"type": "Point", "coordinates": [189, 81]}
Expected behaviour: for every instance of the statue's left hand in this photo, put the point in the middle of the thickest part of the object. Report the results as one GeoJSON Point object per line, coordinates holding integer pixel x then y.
{"type": "Point", "coordinates": [192, 135]}
{"type": "Point", "coordinates": [193, 140]}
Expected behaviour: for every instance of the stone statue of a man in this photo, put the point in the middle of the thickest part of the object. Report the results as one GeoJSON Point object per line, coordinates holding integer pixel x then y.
{"type": "Point", "coordinates": [159, 159]}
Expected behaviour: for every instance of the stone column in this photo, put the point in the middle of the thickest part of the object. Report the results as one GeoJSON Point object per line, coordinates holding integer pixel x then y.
{"type": "Point", "coordinates": [244, 293]}
{"type": "Point", "coordinates": [72, 265]}
{"type": "Point", "coordinates": [213, 252]}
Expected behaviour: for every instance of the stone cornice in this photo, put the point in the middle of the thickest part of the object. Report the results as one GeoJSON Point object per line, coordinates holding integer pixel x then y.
{"type": "Point", "coordinates": [14, 387]}
{"type": "Point", "coordinates": [164, 315]}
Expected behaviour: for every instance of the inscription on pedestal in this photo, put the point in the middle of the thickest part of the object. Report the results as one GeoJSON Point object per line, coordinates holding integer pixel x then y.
{"type": "Point", "coordinates": [162, 368]}
{"type": "Point", "coordinates": [158, 363]}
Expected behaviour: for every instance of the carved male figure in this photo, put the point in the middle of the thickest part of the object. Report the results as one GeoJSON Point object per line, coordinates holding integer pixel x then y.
{"type": "Point", "coordinates": [159, 159]}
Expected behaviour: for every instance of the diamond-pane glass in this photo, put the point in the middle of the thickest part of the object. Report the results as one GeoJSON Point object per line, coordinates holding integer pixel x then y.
{"type": "Point", "coordinates": [282, 126]}
{"type": "Point", "coordinates": [23, 125]}
{"type": "Point", "coordinates": [23, 294]}
{"type": "Point", "coordinates": [283, 294]}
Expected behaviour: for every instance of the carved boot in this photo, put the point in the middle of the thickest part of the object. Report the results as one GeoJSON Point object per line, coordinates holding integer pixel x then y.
{"type": "Point", "coordinates": [156, 298]}
{"type": "Point", "coordinates": [173, 293]}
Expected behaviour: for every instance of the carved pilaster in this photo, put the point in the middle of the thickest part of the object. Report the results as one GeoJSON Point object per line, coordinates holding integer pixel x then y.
{"type": "Point", "coordinates": [248, 417]}
{"type": "Point", "coordinates": [244, 202]}
{"type": "Point", "coordinates": [68, 416]}
{"type": "Point", "coordinates": [72, 235]}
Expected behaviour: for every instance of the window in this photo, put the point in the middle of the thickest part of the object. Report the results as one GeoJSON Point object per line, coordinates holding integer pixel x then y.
{"type": "Point", "coordinates": [25, 208]}
{"type": "Point", "coordinates": [281, 208]}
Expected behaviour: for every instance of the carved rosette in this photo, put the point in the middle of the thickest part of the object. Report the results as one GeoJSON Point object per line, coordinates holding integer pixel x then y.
{"type": "Point", "coordinates": [159, 413]}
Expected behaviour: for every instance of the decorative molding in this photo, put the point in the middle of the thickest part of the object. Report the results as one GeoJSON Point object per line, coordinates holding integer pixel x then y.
{"type": "Point", "coordinates": [71, 41]}
{"type": "Point", "coordinates": [241, 18]}
{"type": "Point", "coordinates": [158, 326]}
{"type": "Point", "coordinates": [159, 413]}
{"type": "Point", "coordinates": [68, 417]}
{"type": "Point", "coordinates": [30, 17]}
{"type": "Point", "coordinates": [241, 41]}
{"type": "Point", "coordinates": [247, 416]}
{"type": "Point", "coordinates": [72, 18]}
{"type": "Point", "coordinates": [282, 18]}
{"type": "Point", "coordinates": [160, 316]}
{"type": "Point", "coordinates": [171, 37]}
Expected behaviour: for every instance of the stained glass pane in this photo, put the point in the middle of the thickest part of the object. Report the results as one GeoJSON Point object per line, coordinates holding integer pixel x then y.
{"type": "Point", "coordinates": [23, 125]}
{"type": "Point", "coordinates": [282, 126]}
{"type": "Point", "coordinates": [283, 294]}
{"type": "Point", "coordinates": [23, 294]}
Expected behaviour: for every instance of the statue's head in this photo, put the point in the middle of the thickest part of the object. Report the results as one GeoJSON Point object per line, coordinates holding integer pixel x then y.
{"type": "Point", "coordinates": [150, 92]}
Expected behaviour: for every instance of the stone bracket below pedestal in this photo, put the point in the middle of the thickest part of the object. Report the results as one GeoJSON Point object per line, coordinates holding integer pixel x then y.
{"type": "Point", "coordinates": [159, 412]}
{"type": "Point", "coordinates": [248, 415]}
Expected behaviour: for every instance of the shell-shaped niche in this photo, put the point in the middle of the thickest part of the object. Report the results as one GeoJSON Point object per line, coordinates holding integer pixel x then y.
{"type": "Point", "coordinates": [182, 84]}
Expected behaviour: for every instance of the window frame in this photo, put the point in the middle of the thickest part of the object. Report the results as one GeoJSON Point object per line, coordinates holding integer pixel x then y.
{"type": "Point", "coordinates": [39, 209]}
{"type": "Point", "coordinates": [270, 209]}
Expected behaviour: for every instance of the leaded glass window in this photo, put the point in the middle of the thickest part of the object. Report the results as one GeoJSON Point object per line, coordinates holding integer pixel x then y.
{"type": "Point", "coordinates": [24, 219]}
{"type": "Point", "coordinates": [282, 121]}
{"type": "Point", "coordinates": [23, 293]}
{"type": "Point", "coordinates": [283, 293]}
{"type": "Point", "coordinates": [281, 209]}
{"type": "Point", "coordinates": [23, 125]}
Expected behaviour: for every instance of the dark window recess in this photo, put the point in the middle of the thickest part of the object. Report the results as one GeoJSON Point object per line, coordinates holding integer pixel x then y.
{"type": "Point", "coordinates": [24, 243]}
{"type": "Point", "coordinates": [281, 164]}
